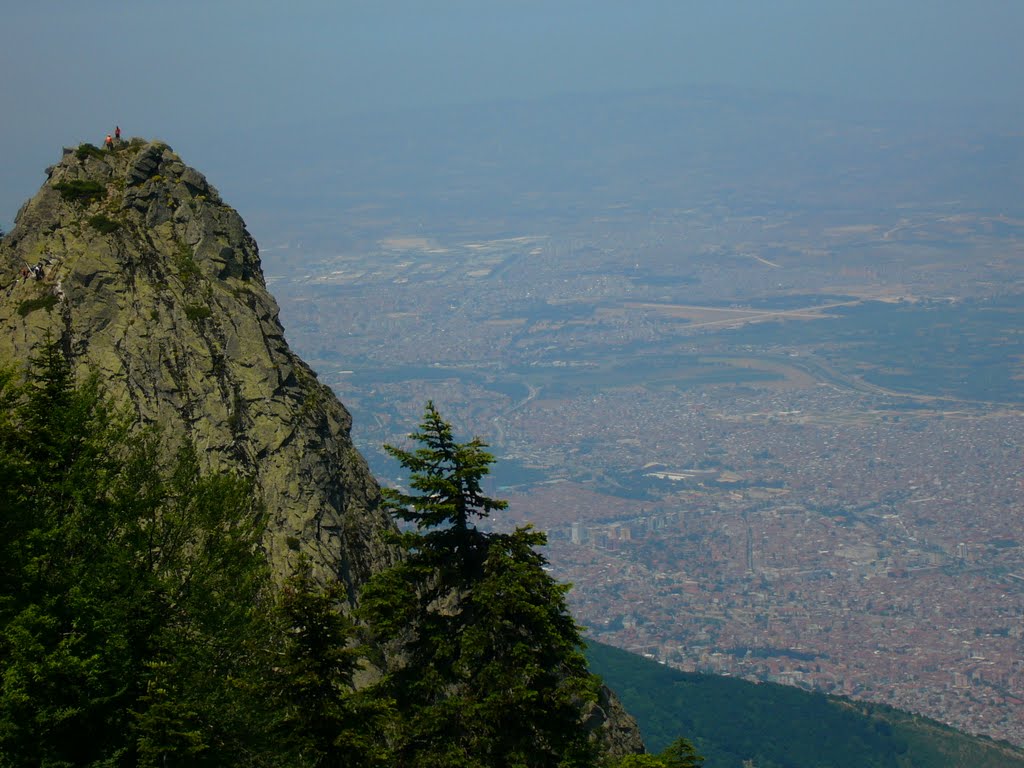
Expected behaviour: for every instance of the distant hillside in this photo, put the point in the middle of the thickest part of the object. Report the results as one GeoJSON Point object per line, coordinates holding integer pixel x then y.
{"type": "Point", "coordinates": [773, 726]}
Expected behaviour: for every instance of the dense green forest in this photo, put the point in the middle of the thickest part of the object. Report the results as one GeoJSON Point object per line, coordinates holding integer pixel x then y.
{"type": "Point", "coordinates": [735, 723]}
{"type": "Point", "coordinates": [139, 625]}
{"type": "Point", "coordinates": [136, 622]}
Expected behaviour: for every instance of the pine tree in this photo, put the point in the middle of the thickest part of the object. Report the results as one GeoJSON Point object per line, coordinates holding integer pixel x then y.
{"type": "Point", "coordinates": [681, 754]}
{"type": "Point", "coordinates": [521, 662]}
{"type": "Point", "coordinates": [66, 624]}
{"type": "Point", "coordinates": [491, 672]}
{"type": "Point", "coordinates": [167, 730]}
{"type": "Point", "coordinates": [323, 720]}
{"type": "Point", "coordinates": [208, 654]}
{"type": "Point", "coordinates": [129, 594]}
{"type": "Point", "coordinates": [449, 501]}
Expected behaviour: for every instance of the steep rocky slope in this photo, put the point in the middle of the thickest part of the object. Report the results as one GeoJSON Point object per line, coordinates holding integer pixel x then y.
{"type": "Point", "coordinates": [148, 278]}
{"type": "Point", "coordinates": [131, 260]}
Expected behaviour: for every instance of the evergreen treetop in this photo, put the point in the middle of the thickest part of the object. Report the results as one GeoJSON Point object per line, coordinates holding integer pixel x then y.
{"type": "Point", "coordinates": [486, 665]}
{"type": "Point", "coordinates": [446, 476]}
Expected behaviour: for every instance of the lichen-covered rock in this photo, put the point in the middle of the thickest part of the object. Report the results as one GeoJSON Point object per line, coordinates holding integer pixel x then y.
{"type": "Point", "coordinates": [151, 281]}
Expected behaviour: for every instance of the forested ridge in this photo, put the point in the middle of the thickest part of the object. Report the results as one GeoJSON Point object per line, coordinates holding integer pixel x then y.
{"type": "Point", "coordinates": [140, 625]}
{"type": "Point", "coordinates": [737, 723]}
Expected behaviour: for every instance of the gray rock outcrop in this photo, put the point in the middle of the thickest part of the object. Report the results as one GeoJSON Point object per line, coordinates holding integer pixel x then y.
{"type": "Point", "coordinates": [149, 279]}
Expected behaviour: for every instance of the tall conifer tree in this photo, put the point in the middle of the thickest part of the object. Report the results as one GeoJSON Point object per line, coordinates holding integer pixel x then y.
{"type": "Point", "coordinates": [491, 673]}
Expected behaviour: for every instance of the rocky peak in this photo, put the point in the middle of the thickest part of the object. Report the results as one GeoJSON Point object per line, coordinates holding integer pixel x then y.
{"type": "Point", "coordinates": [132, 260]}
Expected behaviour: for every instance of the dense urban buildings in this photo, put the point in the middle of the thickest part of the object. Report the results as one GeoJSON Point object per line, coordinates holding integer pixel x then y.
{"type": "Point", "coordinates": [770, 423]}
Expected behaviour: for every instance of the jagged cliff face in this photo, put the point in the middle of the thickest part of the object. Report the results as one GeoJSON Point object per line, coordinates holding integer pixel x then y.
{"type": "Point", "coordinates": [133, 262]}
{"type": "Point", "coordinates": [149, 279]}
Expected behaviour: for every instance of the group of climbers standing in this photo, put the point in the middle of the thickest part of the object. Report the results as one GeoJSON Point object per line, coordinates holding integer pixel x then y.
{"type": "Point", "coordinates": [37, 271]}
{"type": "Point", "coordinates": [111, 140]}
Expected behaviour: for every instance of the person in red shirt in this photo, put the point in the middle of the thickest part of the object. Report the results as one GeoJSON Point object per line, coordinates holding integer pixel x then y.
{"type": "Point", "coordinates": [117, 133]}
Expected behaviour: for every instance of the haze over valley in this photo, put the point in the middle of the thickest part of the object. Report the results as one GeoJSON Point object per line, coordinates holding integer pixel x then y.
{"type": "Point", "coordinates": [734, 291]}
{"type": "Point", "coordinates": [753, 363]}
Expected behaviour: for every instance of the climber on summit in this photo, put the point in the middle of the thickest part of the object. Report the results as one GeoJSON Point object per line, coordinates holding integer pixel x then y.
{"type": "Point", "coordinates": [109, 143]}
{"type": "Point", "coordinates": [117, 133]}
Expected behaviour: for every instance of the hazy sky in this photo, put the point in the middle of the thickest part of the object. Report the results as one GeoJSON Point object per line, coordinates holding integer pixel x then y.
{"type": "Point", "coordinates": [219, 80]}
